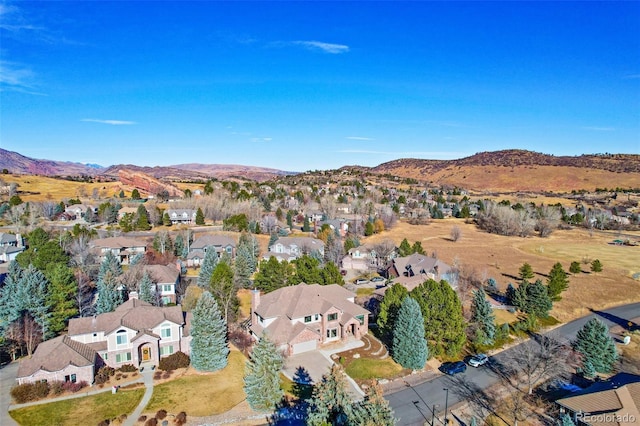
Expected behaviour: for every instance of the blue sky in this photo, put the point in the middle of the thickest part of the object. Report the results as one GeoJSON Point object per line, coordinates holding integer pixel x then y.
{"type": "Point", "coordinates": [316, 85]}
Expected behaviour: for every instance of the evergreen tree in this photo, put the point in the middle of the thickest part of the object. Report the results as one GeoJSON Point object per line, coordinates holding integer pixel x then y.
{"type": "Point", "coordinates": [409, 347]}
{"type": "Point", "coordinates": [557, 282]}
{"type": "Point", "coordinates": [388, 311]}
{"type": "Point", "coordinates": [520, 298]}
{"type": "Point", "coordinates": [273, 275]}
{"type": "Point", "coordinates": [33, 295]}
{"type": "Point", "coordinates": [596, 266]}
{"type": "Point", "coordinates": [330, 403]}
{"type": "Point", "coordinates": [110, 263]}
{"type": "Point", "coordinates": [538, 300]}
{"type": "Point", "coordinates": [575, 267]}
{"type": "Point", "coordinates": [330, 274]}
{"type": "Point", "coordinates": [147, 293]}
{"type": "Point", "coordinates": [10, 292]}
{"type": "Point", "coordinates": [510, 294]}
{"type": "Point", "coordinates": [307, 270]}
{"type": "Point", "coordinates": [596, 346]}
{"type": "Point", "coordinates": [443, 320]}
{"type": "Point", "coordinates": [417, 248]}
{"type": "Point", "coordinates": [209, 349]}
{"type": "Point", "coordinates": [565, 420]}
{"type": "Point", "coordinates": [262, 376]}
{"type": "Point", "coordinates": [482, 314]}
{"type": "Point", "coordinates": [179, 247]}
{"type": "Point", "coordinates": [109, 295]}
{"type": "Point", "coordinates": [206, 268]}
{"type": "Point", "coordinates": [142, 219]}
{"type": "Point", "coordinates": [166, 220]}
{"type": "Point", "coordinates": [404, 249]}
{"type": "Point", "coordinates": [368, 229]}
{"type": "Point", "coordinates": [61, 298]}
{"type": "Point", "coordinates": [199, 217]}
{"type": "Point", "coordinates": [272, 239]}
{"type": "Point", "coordinates": [135, 194]}
{"type": "Point", "coordinates": [306, 226]}
{"type": "Point", "coordinates": [374, 410]}
{"type": "Point", "coordinates": [526, 272]}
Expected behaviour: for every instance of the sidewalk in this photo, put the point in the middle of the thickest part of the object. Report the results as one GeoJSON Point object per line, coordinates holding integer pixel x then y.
{"type": "Point", "coordinates": [147, 379]}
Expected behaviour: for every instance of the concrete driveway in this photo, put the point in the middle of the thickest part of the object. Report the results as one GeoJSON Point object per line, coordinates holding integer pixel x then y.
{"type": "Point", "coordinates": [7, 381]}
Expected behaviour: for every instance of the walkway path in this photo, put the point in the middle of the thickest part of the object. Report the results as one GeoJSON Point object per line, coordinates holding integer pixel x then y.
{"type": "Point", "coordinates": [147, 379]}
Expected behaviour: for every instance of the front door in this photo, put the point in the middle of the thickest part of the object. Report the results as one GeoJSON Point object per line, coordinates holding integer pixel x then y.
{"type": "Point", "coordinates": [146, 353]}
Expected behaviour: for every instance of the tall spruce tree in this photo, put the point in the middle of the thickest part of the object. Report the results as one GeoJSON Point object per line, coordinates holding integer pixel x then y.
{"type": "Point", "coordinates": [405, 248]}
{"type": "Point", "coordinates": [109, 295]}
{"type": "Point", "coordinates": [389, 308]}
{"type": "Point", "coordinates": [199, 217]}
{"type": "Point", "coordinates": [538, 300]}
{"type": "Point", "coordinates": [330, 404]}
{"type": "Point", "coordinates": [146, 290]}
{"type": "Point", "coordinates": [526, 272]}
{"type": "Point", "coordinates": [244, 265]}
{"type": "Point", "coordinates": [61, 297]}
{"type": "Point", "coordinates": [596, 347]}
{"type": "Point", "coordinates": [262, 376]}
{"type": "Point", "coordinates": [374, 410]}
{"type": "Point", "coordinates": [142, 219]}
{"type": "Point", "coordinates": [109, 263]}
{"type": "Point", "coordinates": [557, 282]}
{"type": "Point", "coordinates": [206, 268]}
{"type": "Point", "coordinates": [209, 348]}
{"type": "Point", "coordinates": [409, 346]}
{"type": "Point", "coordinates": [482, 314]}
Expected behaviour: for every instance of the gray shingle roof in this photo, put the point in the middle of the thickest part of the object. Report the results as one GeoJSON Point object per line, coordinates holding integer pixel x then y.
{"type": "Point", "coordinates": [56, 354]}
{"type": "Point", "coordinates": [212, 240]}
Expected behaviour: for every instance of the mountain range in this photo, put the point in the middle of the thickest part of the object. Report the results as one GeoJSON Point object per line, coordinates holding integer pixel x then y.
{"type": "Point", "coordinates": [507, 170]}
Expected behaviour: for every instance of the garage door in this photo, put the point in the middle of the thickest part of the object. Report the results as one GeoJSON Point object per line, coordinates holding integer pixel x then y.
{"type": "Point", "coordinates": [304, 347]}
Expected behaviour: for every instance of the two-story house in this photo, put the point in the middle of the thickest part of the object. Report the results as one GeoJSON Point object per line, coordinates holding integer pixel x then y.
{"type": "Point", "coordinates": [10, 246]}
{"type": "Point", "coordinates": [291, 248]}
{"type": "Point", "coordinates": [123, 248]}
{"type": "Point", "coordinates": [178, 216]}
{"type": "Point", "coordinates": [306, 316]}
{"type": "Point", "coordinates": [360, 258]}
{"type": "Point", "coordinates": [220, 243]}
{"type": "Point", "coordinates": [166, 279]}
{"type": "Point", "coordinates": [135, 333]}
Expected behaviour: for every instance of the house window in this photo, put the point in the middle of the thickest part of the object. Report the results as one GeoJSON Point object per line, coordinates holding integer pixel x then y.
{"type": "Point", "coordinates": [165, 332]}
{"type": "Point", "coordinates": [307, 318]}
{"type": "Point", "coordinates": [105, 356]}
{"type": "Point", "coordinates": [166, 288]}
{"type": "Point", "coordinates": [332, 332]}
{"type": "Point", "coordinates": [360, 318]}
{"type": "Point", "coordinates": [123, 357]}
{"type": "Point", "coordinates": [165, 300]}
{"type": "Point", "coordinates": [229, 250]}
{"type": "Point", "coordinates": [166, 350]}
{"type": "Point", "coordinates": [332, 317]}
{"type": "Point", "coordinates": [316, 317]}
{"type": "Point", "coordinates": [121, 337]}
{"type": "Point", "coordinates": [70, 378]}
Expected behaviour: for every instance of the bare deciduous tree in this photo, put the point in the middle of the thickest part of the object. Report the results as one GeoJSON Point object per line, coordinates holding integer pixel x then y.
{"type": "Point", "coordinates": [383, 250]}
{"type": "Point", "coordinates": [456, 233]}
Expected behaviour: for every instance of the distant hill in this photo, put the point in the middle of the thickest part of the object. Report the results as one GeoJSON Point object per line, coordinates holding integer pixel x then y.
{"type": "Point", "coordinates": [499, 171]}
{"type": "Point", "coordinates": [520, 170]}
{"type": "Point", "coordinates": [19, 164]}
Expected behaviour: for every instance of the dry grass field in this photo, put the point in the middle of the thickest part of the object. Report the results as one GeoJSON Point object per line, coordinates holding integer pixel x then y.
{"type": "Point", "coordinates": [499, 257]}
{"type": "Point", "coordinates": [41, 188]}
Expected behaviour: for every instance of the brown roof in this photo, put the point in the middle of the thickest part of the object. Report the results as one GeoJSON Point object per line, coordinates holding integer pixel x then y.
{"type": "Point", "coordinates": [162, 274]}
{"type": "Point", "coordinates": [56, 354]}
{"type": "Point", "coordinates": [307, 299]}
{"type": "Point", "coordinates": [134, 314]}
{"type": "Point", "coordinates": [118, 242]}
{"type": "Point", "coordinates": [213, 240]}
{"type": "Point", "coordinates": [282, 330]}
{"type": "Point", "coordinates": [611, 400]}
{"type": "Point", "coordinates": [420, 264]}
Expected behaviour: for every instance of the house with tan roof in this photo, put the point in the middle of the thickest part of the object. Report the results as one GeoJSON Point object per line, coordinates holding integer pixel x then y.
{"type": "Point", "coordinates": [123, 248]}
{"type": "Point", "coordinates": [60, 359]}
{"type": "Point", "coordinates": [291, 248]}
{"type": "Point", "coordinates": [613, 402]}
{"type": "Point", "coordinates": [135, 333]}
{"type": "Point", "coordinates": [166, 279]}
{"type": "Point", "coordinates": [220, 243]}
{"type": "Point", "coordinates": [305, 317]}
{"type": "Point", "coordinates": [417, 268]}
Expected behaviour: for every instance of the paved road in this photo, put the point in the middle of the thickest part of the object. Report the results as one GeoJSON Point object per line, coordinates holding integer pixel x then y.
{"type": "Point", "coordinates": [414, 404]}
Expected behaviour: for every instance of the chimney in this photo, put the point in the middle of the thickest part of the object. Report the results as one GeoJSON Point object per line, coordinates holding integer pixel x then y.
{"type": "Point", "coordinates": [255, 299]}
{"type": "Point", "coordinates": [19, 242]}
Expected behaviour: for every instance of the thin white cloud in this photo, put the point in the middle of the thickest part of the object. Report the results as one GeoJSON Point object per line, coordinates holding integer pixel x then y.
{"type": "Point", "coordinates": [261, 139]}
{"type": "Point", "coordinates": [322, 46]}
{"type": "Point", "coordinates": [599, 129]}
{"type": "Point", "coordinates": [17, 78]}
{"type": "Point", "coordinates": [359, 138]}
{"type": "Point", "coordinates": [111, 122]}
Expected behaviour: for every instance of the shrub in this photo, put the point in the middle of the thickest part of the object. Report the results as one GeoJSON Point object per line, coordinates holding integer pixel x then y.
{"type": "Point", "coordinates": [575, 267]}
{"type": "Point", "coordinates": [104, 374]}
{"type": "Point", "coordinates": [127, 368]}
{"type": "Point", "coordinates": [157, 375]}
{"type": "Point", "coordinates": [174, 361]}
{"type": "Point", "coordinates": [30, 392]}
{"type": "Point", "coordinates": [105, 422]}
{"type": "Point", "coordinates": [57, 387]}
{"type": "Point", "coordinates": [181, 418]}
{"type": "Point", "coordinates": [142, 419]}
{"type": "Point", "coordinates": [166, 374]}
{"type": "Point", "coordinates": [74, 387]}
{"type": "Point", "coordinates": [161, 414]}
{"type": "Point", "coordinates": [151, 422]}
{"type": "Point", "coordinates": [596, 266]}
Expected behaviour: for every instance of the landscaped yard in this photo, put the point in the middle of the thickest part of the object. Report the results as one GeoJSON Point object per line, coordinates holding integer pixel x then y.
{"type": "Point", "coordinates": [89, 410]}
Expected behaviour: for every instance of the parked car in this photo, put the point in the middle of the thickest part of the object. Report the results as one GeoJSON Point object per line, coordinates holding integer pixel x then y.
{"type": "Point", "coordinates": [360, 281]}
{"type": "Point", "coordinates": [478, 360]}
{"type": "Point", "coordinates": [452, 368]}
{"type": "Point", "coordinates": [377, 279]}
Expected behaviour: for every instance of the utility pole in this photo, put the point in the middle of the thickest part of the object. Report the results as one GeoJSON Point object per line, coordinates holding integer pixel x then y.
{"type": "Point", "coordinates": [433, 414]}
{"type": "Point", "coordinates": [446, 406]}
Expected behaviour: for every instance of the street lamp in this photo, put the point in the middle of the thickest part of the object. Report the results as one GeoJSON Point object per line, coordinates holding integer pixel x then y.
{"type": "Point", "coordinates": [446, 405]}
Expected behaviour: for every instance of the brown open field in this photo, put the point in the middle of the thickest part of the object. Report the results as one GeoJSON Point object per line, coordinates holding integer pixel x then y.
{"type": "Point", "coordinates": [500, 257]}
{"type": "Point", "coordinates": [41, 188]}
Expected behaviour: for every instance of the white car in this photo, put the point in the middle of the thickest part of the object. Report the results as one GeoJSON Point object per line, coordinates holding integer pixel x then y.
{"type": "Point", "coordinates": [478, 360]}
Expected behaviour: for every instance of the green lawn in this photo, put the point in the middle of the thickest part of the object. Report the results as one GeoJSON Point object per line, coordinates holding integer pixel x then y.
{"type": "Point", "coordinates": [89, 410]}
{"type": "Point", "coordinates": [367, 368]}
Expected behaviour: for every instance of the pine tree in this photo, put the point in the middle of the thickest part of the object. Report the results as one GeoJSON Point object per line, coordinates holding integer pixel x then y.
{"type": "Point", "coordinates": [538, 300]}
{"type": "Point", "coordinates": [417, 248]}
{"type": "Point", "coordinates": [142, 219]}
{"type": "Point", "coordinates": [374, 410]}
{"type": "Point", "coordinates": [510, 294]}
{"type": "Point", "coordinates": [557, 282]}
{"type": "Point", "coordinates": [262, 376]}
{"type": "Point", "coordinates": [409, 347]}
{"type": "Point", "coordinates": [146, 290]}
{"type": "Point", "coordinates": [178, 246]}
{"type": "Point", "coordinates": [388, 311]}
{"type": "Point", "coordinates": [33, 294]}
{"type": "Point", "coordinates": [111, 264]}
{"type": "Point", "coordinates": [526, 272]}
{"type": "Point", "coordinates": [206, 268]}
{"type": "Point", "coordinates": [10, 305]}
{"type": "Point", "coordinates": [109, 296]}
{"type": "Point", "coordinates": [520, 299]}
{"type": "Point", "coordinates": [209, 349]}
{"type": "Point", "coordinates": [273, 275]}
{"type": "Point", "coordinates": [482, 314]}
{"type": "Point", "coordinates": [135, 194]}
{"type": "Point", "coordinates": [596, 346]}
{"type": "Point", "coordinates": [61, 298]}
{"type": "Point", "coordinates": [405, 248]}
{"type": "Point", "coordinates": [330, 403]}
{"type": "Point", "coordinates": [596, 266]}
{"type": "Point", "coordinates": [575, 267]}
{"type": "Point", "coordinates": [272, 239]}
{"type": "Point", "coordinates": [166, 220]}
{"type": "Point", "coordinates": [199, 217]}
{"type": "Point", "coordinates": [565, 420]}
